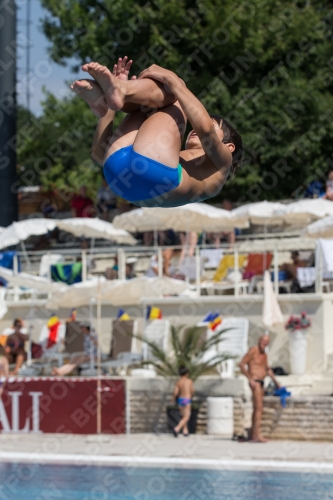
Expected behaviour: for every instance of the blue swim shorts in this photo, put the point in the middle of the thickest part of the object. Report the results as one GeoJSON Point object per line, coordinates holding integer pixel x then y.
{"type": "Point", "coordinates": [137, 178]}
{"type": "Point", "coordinates": [184, 401]}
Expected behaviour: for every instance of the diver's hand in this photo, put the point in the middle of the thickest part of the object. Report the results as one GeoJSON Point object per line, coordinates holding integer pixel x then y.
{"type": "Point", "coordinates": [160, 74]}
{"type": "Point", "coordinates": [122, 69]}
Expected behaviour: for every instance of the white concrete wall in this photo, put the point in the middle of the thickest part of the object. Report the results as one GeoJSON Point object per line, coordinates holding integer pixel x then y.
{"type": "Point", "coordinates": [189, 311]}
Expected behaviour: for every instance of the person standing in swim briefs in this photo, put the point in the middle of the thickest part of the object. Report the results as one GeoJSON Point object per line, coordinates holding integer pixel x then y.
{"type": "Point", "coordinates": [142, 159]}
{"type": "Point", "coordinates": [254, 366]}
{"type": "Point", "coordinates": [183, 394]}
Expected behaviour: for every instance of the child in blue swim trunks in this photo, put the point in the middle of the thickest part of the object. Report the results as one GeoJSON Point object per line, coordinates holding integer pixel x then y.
{"type": "Point", "coordinates": [183, 395]}
{"type": "Point", "coordinates": [143, 161]}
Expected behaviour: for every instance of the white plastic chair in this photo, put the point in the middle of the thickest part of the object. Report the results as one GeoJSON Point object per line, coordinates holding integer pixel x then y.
{"type": "Point", "coordinates": [157, 331]}
{"type": "Point", "coordinates": [306, 276]}
{"type": "Point", "coordinates": [47, 261]}
{"type": "Point", "coordinates": [235, 341]}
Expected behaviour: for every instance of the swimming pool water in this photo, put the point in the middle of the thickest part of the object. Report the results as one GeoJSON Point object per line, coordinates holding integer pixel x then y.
{"type": "Point", "coordinates": [48, 482]}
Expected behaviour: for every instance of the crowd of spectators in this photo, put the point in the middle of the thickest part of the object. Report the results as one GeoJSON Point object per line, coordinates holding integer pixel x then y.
{"type": "Point", "coordinates": [14, 347]}
{"type": "Point", "coordinates": [319, 189]}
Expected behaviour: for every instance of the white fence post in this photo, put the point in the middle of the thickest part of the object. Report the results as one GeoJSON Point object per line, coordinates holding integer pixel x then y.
{"type": "Point", "coordinates": [236, 269]}
{"type": "Point", "coordinates": [84, 265]}
{"type": "Point", "coordinates": [276, 270]}
{"type": "Point", "coordinates": [319, 268]}
{"type": "Point", "coordinates": [160, 262]}
{"type": "Point", "coordinates": [197, 270]}
{"type": "Point", "coordinates": [15, 272]}
{"type": "Point", "coordinates": [121, 265]}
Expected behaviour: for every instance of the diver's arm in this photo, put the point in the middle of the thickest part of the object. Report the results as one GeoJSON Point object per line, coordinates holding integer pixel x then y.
{"type": "Point", "coordinates": [217, 152]}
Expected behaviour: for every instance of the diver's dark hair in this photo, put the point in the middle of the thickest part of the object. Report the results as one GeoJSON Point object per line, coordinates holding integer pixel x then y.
{"type": "Point", "coordinates": [231, 135]}
{"type": "Point", "coordinates": [182, 370]}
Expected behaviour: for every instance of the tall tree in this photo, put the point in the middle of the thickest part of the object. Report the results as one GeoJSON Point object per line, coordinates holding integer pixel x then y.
{"type": "Point", "coordinates": [265, 64]}
{"type": "Point", "coordinates": [54, 149]}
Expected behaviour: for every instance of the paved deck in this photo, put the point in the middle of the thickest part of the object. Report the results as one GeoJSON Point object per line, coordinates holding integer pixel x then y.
{"type": "Point", "coordinates": [166, 451]}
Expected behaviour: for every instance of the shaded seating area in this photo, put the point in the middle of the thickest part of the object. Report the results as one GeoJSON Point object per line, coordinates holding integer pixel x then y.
{"type": "Point", "coordinates": [69, 345]}
{"type": "Point", "coordinates": [244, 277]}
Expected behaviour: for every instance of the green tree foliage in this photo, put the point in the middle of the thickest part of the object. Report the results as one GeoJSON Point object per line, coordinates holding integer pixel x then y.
{"type": "Point", "coordinates": [189, 348]}
{"type": "Point", "coordinates": [54, 149]}
{"type": "Point", "coordinates": [264, 64]}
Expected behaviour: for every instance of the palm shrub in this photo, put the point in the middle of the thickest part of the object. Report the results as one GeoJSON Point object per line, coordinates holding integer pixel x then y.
{"type": "Point", "coordinates": [189, 348]}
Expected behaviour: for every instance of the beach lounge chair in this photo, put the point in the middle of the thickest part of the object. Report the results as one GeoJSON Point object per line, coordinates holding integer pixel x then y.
{"type": "Point", "coordinates": [188, 267]}
{"type": "Point", "coordinates": [220, 282]}
{"type": "Point", "coordinates": [255, 268]}
{"type": "Point", "coordinates": [74, 338]}
{"type": "Point", "coordinates": [47, 261]}
{"type": "Point", "coordinates": [234, 342]}
{"type": "Point", "coordinates": [211, 257]}
{"type": "Point", "coordinates": [122, 348]}
{"type": "Point", "coordinates": [156, 331]}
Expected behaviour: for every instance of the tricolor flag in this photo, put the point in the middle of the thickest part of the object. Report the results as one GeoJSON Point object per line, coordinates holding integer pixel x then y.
{"type": "Point", "coordinates": [122, 315]}
{"type": "Point", "coordinates": [215, 323]}
{"type": "Point", "coordinates": [211, 316]}
{"type": "Point", "coordinates": [154, 313]}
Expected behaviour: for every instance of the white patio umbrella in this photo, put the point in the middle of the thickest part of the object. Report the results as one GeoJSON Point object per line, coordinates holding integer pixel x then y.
{"type": "Point", "coordinates": [77, 295]}
{"type": "Point", "coordinates": [29, 281]}
{"type": "Point", "coordinates": [271, 313]}
{"type": "Point", "coordinates": [194, 217]}
{"type": "Point", "coordinates": [95, 228]}
{"type": "Point", "coordinates": [133, 291]}
{"type": "Point", "coordinates": [320, 229]}
{"type": "Point", "coordinates": [117, 292]}
{"type": "Point", "coordinates": [20, 231]}
{"type": "Point", "coordinates": [139, 220]}
{"type": "Point", "coordinates": [85, 226]}
{"type": "Point", "coordinates": [306, 211]}
{"type": "Point", "coordinates": [261, 213]}
{"type": "Point", "coordinates": [3, 306]}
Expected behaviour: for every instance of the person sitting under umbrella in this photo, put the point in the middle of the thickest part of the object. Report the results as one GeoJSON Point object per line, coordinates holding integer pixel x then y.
{"type": "Point", "coordinates": [90, 352]}
{"type": "Point", "coordinates": [14, 348]}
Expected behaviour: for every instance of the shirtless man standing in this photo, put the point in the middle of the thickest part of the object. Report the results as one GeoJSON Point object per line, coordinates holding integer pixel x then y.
{"type": "Point", "coordinates": [255, 367]}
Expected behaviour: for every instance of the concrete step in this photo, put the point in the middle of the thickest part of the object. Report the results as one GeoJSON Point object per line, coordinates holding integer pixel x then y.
{"type": "Point", "coordinates": [302, 385]}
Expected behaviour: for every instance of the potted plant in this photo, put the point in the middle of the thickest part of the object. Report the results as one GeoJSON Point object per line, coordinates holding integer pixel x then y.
{"type": "Point", "coordinates": [297, 327]}
{"type": "Point", "coordinates": [190, 347]}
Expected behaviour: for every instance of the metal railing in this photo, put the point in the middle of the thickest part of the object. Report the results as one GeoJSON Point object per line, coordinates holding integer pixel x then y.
{"type": "Point", "coordinates": [106, 256]}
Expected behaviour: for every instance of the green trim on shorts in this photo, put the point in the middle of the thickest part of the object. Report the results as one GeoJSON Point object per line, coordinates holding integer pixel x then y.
{"type": "Point", "coordinates": [180, 173]}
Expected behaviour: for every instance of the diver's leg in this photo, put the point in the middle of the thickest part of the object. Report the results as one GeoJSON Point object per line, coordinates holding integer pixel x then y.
{"type": "Point", "coordinates": [161, 134]}
{"type": "Point", "coordinates": [92, 93]}
{"type": "Point", "coordinates": [102, 136]}
{"type": "Point", "coordinates": [145, 92]}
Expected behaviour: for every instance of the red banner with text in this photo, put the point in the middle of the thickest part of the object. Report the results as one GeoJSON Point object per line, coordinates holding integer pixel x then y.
{"type": "Point", "coordinates": [62, 405]}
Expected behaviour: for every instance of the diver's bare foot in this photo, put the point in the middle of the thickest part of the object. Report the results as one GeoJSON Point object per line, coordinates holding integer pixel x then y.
{"type": "Point", "coordinates": [55, 372]}
{"type": "Point", "coordinates": [113, 88]}
{"type": "Point", "coordinates": [92, 93]}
